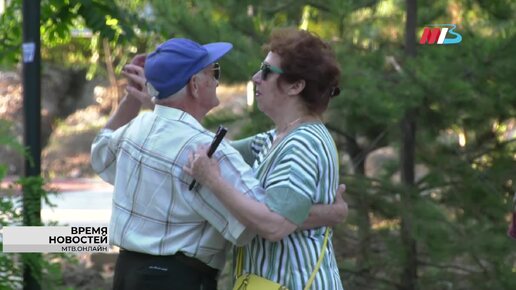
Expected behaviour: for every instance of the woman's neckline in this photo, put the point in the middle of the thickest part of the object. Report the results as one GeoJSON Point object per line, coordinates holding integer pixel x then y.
{"type": "Point", "coordinates": [276, 142]}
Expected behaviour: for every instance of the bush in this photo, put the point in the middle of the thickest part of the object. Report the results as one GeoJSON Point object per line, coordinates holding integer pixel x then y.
{"type": "Point", "coordinates": [46, 269]}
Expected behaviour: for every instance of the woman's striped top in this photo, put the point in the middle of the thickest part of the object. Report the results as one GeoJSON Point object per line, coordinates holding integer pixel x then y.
{"type": "Point", "coordinates": [301, 170]}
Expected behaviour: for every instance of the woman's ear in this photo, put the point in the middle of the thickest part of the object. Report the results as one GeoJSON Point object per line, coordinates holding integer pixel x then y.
{"type": "Point", "coordinates": [296, 88]}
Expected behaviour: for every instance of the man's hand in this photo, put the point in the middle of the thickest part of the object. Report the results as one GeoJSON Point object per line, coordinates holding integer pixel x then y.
{"type": "Point", "coordinates": [139, 59]}
{"type": "Point", "coordinates": [340, 207]}
{"type": "Point", "coordinates": [322, 215]}
{"type": "Point", "coordinates": [132, 102]}
{"type": "Point", "coordinates": [136, 88]}
{"type": "Point", "coordinates": [202, 168]}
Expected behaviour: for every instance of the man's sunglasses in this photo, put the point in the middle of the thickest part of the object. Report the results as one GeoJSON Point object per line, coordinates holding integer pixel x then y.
{"type": "Point", "coordinates": [216, 71]}
{"type": "Point", "coordinates": [266, 69]}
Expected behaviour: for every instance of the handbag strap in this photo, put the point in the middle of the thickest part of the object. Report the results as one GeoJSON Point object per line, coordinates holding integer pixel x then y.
{"type": "Point", "coordinates": [319, 262]}
{"type": "Point", "coordinates": [240, 260]}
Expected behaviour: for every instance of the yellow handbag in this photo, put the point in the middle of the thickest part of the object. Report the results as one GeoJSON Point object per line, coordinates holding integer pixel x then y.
{"type": "Point", "coordinates": [249, 281]}
{"type": "Point", "coordinates": [254, 282]}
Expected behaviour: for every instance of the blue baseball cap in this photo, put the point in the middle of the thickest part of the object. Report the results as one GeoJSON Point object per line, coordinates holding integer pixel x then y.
{"type": "Point", "coordinates": [169, 68]}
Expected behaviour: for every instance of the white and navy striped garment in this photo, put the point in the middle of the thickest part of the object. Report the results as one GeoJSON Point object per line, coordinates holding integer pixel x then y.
{"type": "Point", "coordinates": [301, 170]}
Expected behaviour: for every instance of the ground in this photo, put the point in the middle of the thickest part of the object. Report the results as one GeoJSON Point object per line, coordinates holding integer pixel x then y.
{"type": "Point", "coordinates": [93, 272]}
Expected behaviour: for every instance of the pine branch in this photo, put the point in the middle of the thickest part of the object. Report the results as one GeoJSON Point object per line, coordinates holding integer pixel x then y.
{"type": "Point", "coordinates": [479, 263]}
{"type": "Point", "coordinates": [358, 153]}
{"type": "Point", "coordinates": [320, 6]}
{"type": "Point", "coordinates": [487, 150]}
{"type": "Point", "coordinates": [364, 274]}
{"type": "Point", "coordinates": [279, 8]}
{"type": "Point", "coordinates": [438, 186]}
{"type": "Point", "coordinates": [453, 267]}
{"type": "Point", "coordinates": [349, 138]}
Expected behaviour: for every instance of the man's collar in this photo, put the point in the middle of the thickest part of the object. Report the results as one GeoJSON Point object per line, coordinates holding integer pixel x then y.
{"type": "Point", "coordinates": [176, 115]}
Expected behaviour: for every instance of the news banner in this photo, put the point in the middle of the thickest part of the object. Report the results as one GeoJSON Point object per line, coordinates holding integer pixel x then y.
{"type": "Point", "coordinates": [55, 239]}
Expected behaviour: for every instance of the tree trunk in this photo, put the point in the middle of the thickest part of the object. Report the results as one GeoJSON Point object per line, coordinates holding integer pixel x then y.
{"type": "Point", "coordinates": [113, 90]}
{"type": "Point", "coordinates": [408, 132]}
{"type": "Point", "coordinates": [32, 134]}
{"type": "Point", "coordinates": [409, 274]}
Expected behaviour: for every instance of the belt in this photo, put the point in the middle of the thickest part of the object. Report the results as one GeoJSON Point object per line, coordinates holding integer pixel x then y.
{"type": "Point", "coordinates": [183, 259]}
{"type": "Point", "coordinates": [195, 263]}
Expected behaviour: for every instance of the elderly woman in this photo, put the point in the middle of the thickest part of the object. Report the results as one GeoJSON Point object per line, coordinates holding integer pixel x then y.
{"type": "Point", "coordinates": [296, 163]}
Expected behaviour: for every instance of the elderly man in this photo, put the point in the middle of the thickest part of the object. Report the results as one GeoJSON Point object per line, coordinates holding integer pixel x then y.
{"type": "Point", "coordinates": [170, 237]}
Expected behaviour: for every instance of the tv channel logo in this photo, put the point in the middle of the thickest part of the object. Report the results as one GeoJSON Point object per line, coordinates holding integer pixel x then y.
{"type": "Point", "coordinates": [436, 34]}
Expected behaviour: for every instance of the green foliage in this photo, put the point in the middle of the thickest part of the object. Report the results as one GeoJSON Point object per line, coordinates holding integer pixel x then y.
{"type": "Point", "coordinates": [460, 92]}
{"type": "Point", "coordinates": [67, 27]}
{"type": "Point", "coordinates": [463, 193]}
{"type": "Point", "coordinates": [47, 270]}
{"type": "Point", "coordinates": [209, 21]}
{"type": "Point", "coordinates": [10, 213]}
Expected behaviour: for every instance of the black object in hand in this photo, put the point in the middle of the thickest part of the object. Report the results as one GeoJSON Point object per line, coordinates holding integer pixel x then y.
{"type": "Point", "coordinates": [221, 132]}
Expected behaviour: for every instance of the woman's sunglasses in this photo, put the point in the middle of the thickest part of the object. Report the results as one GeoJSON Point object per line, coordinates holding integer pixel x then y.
{"type": "Point", "coordinates": [266, 69]}
{"type": "Point", "coordinates": [216, 71]}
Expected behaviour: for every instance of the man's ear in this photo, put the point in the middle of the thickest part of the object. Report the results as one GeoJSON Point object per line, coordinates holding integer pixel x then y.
{"type": "Point", "coordinates": [193, 86]}
{"type": "Point", "coordinates": [296, 88]}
